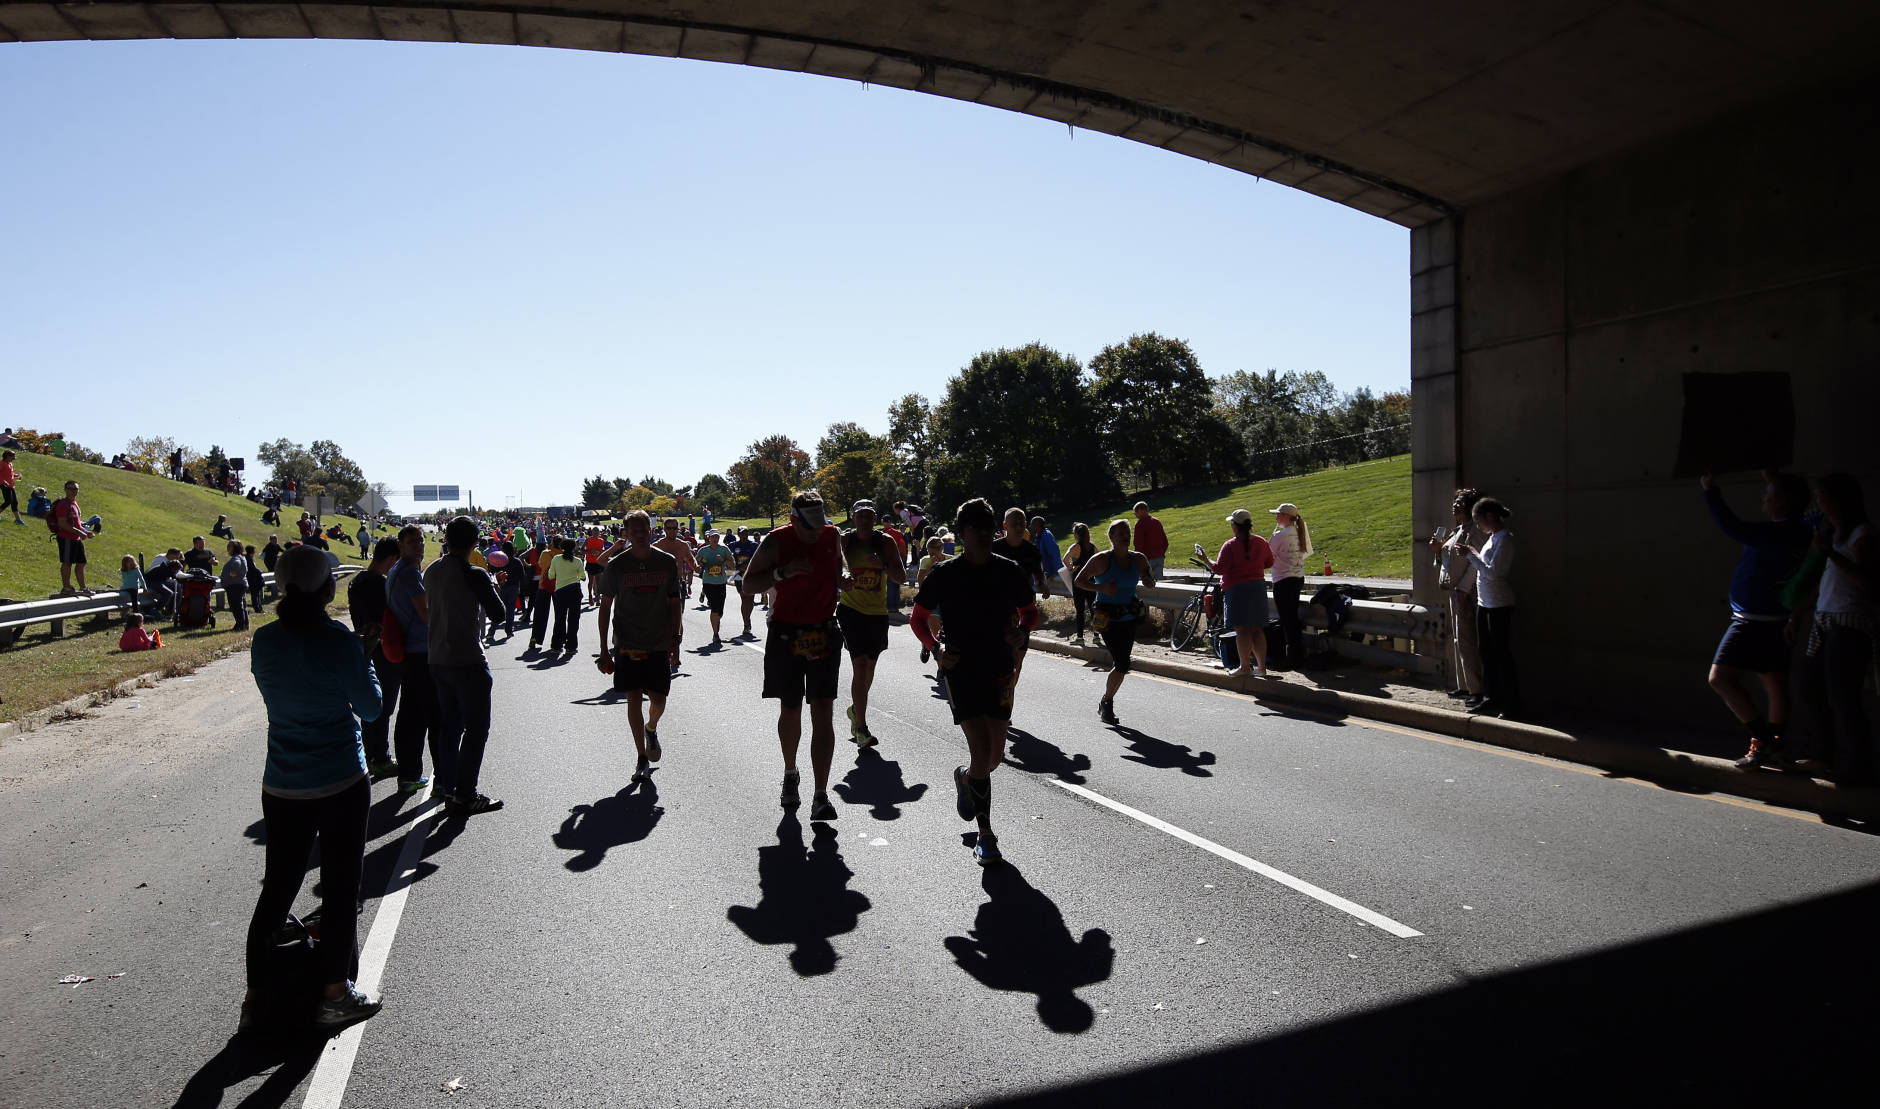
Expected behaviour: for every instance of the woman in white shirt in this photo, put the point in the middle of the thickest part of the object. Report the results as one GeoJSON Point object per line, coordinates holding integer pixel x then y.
{"type": "Point", "coordinates": [1841, 638]}
{"type": "Point", "coordinates": [1494, 613]}
{"type": "Point", "coordinates": [1291, 544]}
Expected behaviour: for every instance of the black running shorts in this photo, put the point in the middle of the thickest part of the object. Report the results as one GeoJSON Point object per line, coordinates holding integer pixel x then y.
{"type": "Point", "coordinates": [802, 660]}
{"type": "Point", "coordinates": [1120, 638]}
{"type": "Point", "coordinates": [975, 692]}
{"type": "Point", "coordinates": [646, 671]}
{"type": "Point", "coordinates": [865, 634]}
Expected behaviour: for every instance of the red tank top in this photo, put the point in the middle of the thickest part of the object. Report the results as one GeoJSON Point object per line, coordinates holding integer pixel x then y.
{"type": "Point", "coordinates": [811, 598]}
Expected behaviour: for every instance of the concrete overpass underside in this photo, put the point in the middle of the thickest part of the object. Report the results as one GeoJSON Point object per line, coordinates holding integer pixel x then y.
{"type": "Point", "coordinates": [1603, 196]}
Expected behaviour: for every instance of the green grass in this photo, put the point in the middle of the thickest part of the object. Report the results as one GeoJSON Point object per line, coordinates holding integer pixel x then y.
{"type": "Point", "coordinates": [143, 514]}
{"type": "Point", "coordinates": [1358, 516]}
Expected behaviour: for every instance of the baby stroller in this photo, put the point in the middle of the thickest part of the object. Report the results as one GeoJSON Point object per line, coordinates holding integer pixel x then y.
{"type": "Point", "coordinates": [194, 600]}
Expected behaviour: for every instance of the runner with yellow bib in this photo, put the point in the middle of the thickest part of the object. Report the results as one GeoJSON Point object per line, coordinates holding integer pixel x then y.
{"type": "Point", "coordinates": [872, 562]}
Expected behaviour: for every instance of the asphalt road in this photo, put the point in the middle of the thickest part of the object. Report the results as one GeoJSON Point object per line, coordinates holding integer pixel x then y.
{"type": "Point", "coordinates": [1423, 918]}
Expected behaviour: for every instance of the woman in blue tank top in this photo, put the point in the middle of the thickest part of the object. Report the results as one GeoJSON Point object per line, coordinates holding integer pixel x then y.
{"type": "Point", "coordinates": [1114, 576]}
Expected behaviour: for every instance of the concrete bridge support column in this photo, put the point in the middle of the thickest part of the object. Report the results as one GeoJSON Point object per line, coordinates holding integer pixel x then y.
{"type": "Point", "coordinates": [1435, 396]}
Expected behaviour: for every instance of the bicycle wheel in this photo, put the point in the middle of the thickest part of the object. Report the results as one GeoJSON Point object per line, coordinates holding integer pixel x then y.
{"type": "Point", "coordinates": [1186, 622]}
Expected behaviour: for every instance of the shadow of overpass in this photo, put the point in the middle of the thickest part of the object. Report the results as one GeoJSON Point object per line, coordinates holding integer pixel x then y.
{"type": "Point", "coordinates": [1774, 1007]}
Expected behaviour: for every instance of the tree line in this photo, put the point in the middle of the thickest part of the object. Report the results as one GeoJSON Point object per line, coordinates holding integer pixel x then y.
{"type": "Point", "coordinates": [1033, 426]}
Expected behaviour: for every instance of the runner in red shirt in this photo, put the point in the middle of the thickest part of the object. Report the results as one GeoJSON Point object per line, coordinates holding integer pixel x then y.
{"type": "Point", "coordinates": [803, 650]}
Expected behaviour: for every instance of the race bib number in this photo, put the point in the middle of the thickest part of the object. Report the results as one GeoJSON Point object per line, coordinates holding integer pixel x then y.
{"type": "Point", "coordinates": [1099, 620]}
{"type": "Point", "coordinates": [869, 579]}
{"type": "Point", "coordinates": [811, 643]}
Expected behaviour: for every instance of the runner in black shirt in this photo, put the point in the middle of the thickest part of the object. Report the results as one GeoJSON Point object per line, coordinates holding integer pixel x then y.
{"type": "Point", "coordinates": [986, 610]}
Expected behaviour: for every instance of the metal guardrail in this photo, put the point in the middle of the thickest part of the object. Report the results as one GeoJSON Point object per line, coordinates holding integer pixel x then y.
{"type": "Point", "coordinates": [57, 610]}
{"type": "Point", "coordinates": [1385, 619]}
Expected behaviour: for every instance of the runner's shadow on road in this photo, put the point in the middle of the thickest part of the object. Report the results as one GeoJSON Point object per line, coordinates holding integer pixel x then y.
{"type": "Point", "coordinates": [876, 782]}
{"type": "Point", "coordinates": [804, 899]}
{"type": "Point", "coordinates": [291, 1058]}
{"type": "Point", "coordinates": [1027, 752]}
{"type": "Point", "coordinates": [592, 830]}
{"type": "Point", "coordinates": [1163, 755]}
{"type": "Point", "coordinates": [1020, 943]}
{"type": "Point", "coordinates": [608, 696]}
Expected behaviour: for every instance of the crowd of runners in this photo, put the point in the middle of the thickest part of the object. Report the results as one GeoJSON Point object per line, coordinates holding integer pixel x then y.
{"type": "Point", "coordinates": [350, 706]}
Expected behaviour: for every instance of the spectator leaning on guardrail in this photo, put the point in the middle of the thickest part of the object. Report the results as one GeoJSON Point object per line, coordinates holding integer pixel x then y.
{"type": "Point", "coordinates": [70, 533]}
{"type": "Point", "coordinates": [1150, 539]}
{"type": "Point", "coordinates": [1242, 564]}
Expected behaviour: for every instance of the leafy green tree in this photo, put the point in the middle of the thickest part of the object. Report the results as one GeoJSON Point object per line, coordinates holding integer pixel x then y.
{"type": "Point", "coordinates": [769, 474]}
{"type": "Point", "coordinates": [598, 492]}
{"type": "Point", "coordinates": [152, 452]}
{"type": "Point", "coordinates": [911, 440]}
{"type": "Point", "coordinates": [714, 492]}
{"type": "Point", "coordinates": [851, 477]}
{"type": "Point", "coordinates": [1016, 426]}
{"type": "Point", "coordinates": [660, 488]}
{"type": "Point", "coordinates": [843, 438]}
{"type": "Point", "coordinates": [1148, 391]}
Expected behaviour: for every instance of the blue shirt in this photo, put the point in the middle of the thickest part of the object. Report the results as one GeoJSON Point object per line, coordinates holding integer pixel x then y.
{"type": "Point", "coordinates": [314, 685]}
{"type": "Point", "coordinates": [1122, 571]}
{"type": "Point", "coordinates": [402, 588]}
{"type": "Point", "coordinates": [1771, 552]}
{"type": "Point", "coordinates": [1048, 550]}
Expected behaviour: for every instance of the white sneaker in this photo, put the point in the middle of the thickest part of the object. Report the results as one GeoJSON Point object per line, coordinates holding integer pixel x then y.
{"type": "Point", "coordinates": [1259, 672]}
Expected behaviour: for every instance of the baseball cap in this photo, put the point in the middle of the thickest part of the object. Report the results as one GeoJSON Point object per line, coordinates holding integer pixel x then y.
{"type": "Point", "coordinates": [711, 532]}
{"type": "Point", "coordinates": [863, 505]}
{"type": "Point", "coordinates": [1288, 508]}
{"type": "Point", "coordinates": [303, 568]}
{"type": "Point", "coordinates": [1241, 516]}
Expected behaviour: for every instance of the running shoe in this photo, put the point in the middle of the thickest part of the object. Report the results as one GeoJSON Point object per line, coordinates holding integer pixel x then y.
{"type": "Point", "coordinates": [859, 732]}
{"type": "Point", "coordinates": [412, 785]}
{"type": "Point", "coordinates": [789, 797]}
{"type": "Point", "coordinates": [963, 795]}
{"type": "Point", "coordinates": [1106, 712]}
{"type": "Point", "coordinates": [381, 769]}
{"type": "Point", "coordinates": [925, 654]}
{"type": "Point", "coordinates": [717, 642]}
{"type": "Point", "coordinates": [652, 745]}
{"type": "Point", "coordinates": [987, 850]}
{"type": "Point", "coordinates": [1762, 752]}
{"type": "Point", "coordinates": [350, 1007]}
{"type": "Point", "coordinates": [641, 772]}
{"type": "Point", "coordinates": [472, 805]}
{"type": "Point", "coordinates": [820, 807]}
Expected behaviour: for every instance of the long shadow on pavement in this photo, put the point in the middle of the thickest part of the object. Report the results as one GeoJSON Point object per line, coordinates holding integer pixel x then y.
{"type": "Point", "coordinates": [592, 830]}
{"type": "Point", "coordinates": [1025, 751]}
{"type": "Point", "coordinates": [805, 900]}
{"type": "Point", "coordinates": [876, 782]}
{"type": "Point", "coordinates": [292, 1058]}
{"type": "Point", "coordinates": [1762, 1009]}
{"type": "Point", "coordinates": [1163, 755]}
{"type": "Point", "coordinates": [1019, 942]}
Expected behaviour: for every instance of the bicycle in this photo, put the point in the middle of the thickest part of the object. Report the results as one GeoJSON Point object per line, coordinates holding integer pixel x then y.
{"type": "Point", "coordinates": [1200, 616]}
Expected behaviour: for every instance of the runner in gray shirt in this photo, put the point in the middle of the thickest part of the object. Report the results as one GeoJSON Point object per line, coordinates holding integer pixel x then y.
{"type": "Point", "coordinates": [455, 591]}
{"type": "Point", "coordinates": [641, 605]}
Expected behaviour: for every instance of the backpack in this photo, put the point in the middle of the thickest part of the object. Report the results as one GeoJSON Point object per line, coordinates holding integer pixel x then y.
{"type": "Point", "coordinates": [391, 637]}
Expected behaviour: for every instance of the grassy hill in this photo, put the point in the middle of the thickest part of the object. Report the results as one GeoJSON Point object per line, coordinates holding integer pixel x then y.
{"type": "Point", "coordinates": [1358, 516]}
{"type": "Point", "coordinates": [142, 513]}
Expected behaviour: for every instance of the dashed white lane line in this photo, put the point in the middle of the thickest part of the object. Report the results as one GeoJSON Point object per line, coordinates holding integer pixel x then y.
{"type": "Point", "coordinates": [1369, 916]}
{"type": "Point", "coordinates": [328, 1087]}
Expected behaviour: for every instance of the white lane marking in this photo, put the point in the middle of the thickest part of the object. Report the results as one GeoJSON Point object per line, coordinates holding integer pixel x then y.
{"type": "Point", "coordinates": [328, 1087]}
{"type": "Point", "coordinates": [1371, 917]}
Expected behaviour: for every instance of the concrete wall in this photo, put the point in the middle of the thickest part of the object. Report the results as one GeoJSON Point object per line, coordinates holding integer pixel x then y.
{"type": "Point", "coordinates": [1747, 244]}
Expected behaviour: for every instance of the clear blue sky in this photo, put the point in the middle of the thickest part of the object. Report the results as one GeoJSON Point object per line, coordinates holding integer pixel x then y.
{"type": "Point", "coordinates": [511, 268]}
